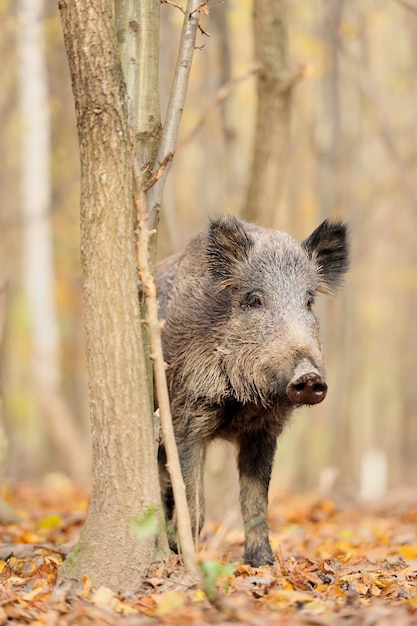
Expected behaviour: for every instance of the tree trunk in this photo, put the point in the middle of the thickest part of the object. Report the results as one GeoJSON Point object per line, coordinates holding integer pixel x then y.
{"type": "Point", "coordinates": [137, 26]}
{"type": "Point", "coordinates": [272, 121]}
{"type": "Point", "coordinates": [125, 478]}
{"type": "Point", "coordinates": [38, 252]}
{"type": "Point", "coordinates": [139, 55]}
{"type": "Point", "coordinates": [332, 195]}
{"type": "Point", "coordinates": [7, 514]}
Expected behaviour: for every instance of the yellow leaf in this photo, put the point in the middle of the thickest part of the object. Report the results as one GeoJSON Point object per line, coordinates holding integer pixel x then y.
{"type": "Point", "coordinates": [50, 523]}
{"type": "Point", "coordinates": [123, 608]}
{"type": "Point", "coordinates": [286, 584]}
{"type": "Point", "coordinates": [104, 597]}
{"type": "Point", "coordinates": [344, 547]}
{"type": "Point", "coordinates": [346, 533]}
{"type": "Point", "coordinates": [199, 596]}
{"type": "Point", "coordinates": [409, 552]}
{"type": "Point", "coordinates": [284, 598]}
{"type": "Point", "coordinates": [377, 580]}
{"type": "Point", "coordinates": [169, 601]}
{"type": "Point", "coordinates": [16, 565]}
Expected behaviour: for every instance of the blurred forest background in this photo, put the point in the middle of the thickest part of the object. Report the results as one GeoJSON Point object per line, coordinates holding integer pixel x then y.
{"type": "Point", "coordinates": [353, 154]}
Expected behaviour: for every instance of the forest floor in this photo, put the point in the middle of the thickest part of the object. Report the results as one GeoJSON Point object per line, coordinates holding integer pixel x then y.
{"type": "Point", "coordinates": [338, 562]}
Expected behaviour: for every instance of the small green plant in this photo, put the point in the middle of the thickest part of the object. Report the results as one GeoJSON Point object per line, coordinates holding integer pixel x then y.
{"type": "Point", "coordinates": [214, 572]}
{"type": "Point", "coordinates": [148, 524]}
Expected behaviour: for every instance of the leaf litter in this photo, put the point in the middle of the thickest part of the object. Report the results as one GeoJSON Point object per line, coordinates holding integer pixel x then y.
{"type": "Point", "coordinates": [337, 562]}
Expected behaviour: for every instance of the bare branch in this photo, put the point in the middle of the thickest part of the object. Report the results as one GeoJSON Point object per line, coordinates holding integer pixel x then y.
{"type": "Point", "coordinates": [175, 105]}
{"type": "Point", "coordinates": [143, 238]}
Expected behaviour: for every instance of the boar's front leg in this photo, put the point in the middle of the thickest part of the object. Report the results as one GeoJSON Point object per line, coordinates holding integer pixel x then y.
{"type": "Point", "coordinates": [191, 458]}
{"type": "Point", "coordinates": [255, 458]}
{"type": "Point", "coordinates": [191, 455]}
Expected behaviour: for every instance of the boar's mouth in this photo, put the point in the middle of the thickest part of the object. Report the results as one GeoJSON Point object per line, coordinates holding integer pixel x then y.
{"type": "Point", "coordinates": [305, 385]}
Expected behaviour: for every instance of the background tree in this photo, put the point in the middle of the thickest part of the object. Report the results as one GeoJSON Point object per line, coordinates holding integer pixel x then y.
{"type": "Point", "coordinates": [38, 245]}
{"type": "Point", "coordinates": [274, 86]}
{"type": "Point", "coordinates": [7, 514]}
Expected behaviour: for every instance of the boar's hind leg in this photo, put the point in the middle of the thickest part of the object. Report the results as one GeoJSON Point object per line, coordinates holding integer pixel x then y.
{"type": "Point", "coordinates": [166, 493]}
{"type": "Point", "coordinates": [255, 458]}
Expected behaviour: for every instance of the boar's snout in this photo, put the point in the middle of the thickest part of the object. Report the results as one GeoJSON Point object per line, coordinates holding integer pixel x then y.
{"type": "Point", "coordinates": [307, 385]}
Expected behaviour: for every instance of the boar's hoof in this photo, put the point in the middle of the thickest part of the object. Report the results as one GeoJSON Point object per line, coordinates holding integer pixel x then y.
{"type": "Point", "coordinates": [309, 388]}
{"type": "Point", "coordinates": [261, 555]}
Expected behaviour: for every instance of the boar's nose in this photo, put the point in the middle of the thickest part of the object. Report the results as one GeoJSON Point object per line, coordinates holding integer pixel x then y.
{"type": "Point", "coordinates": [307, 385]}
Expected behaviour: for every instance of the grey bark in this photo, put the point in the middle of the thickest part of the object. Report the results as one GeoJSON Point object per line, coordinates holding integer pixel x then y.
{"type": "Point", "coordinates": [125, 479]}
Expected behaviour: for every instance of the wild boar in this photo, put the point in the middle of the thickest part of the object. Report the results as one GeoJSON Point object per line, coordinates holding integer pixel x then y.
{"type": "Point", "coordinates": [242, 347]}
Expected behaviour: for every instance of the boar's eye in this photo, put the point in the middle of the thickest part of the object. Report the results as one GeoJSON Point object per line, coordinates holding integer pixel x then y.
{"type": "Point", "coordinates": [309, 299]}
{"type": "Point", "coordinates": [253, 300]}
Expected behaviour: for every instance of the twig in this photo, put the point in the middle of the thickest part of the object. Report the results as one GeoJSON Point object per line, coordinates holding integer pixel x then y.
{"type": "Point", "coordinates": [200, 8]}
{"type": "Point", "coordinates": [26, 550]}
{"type": "Point", "coordinates": [173, 4]}
{"type": "Point", "coordinates": [157, 175]}
{"type": "Point", "coordinates": [143, 237]}
{"type": "Point", "coordinates": [175, 106]}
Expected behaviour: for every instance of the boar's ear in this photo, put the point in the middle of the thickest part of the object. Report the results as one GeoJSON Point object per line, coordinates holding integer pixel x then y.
{"type": "Point", "coordinates": [328, 246]}
{"type": "Point", "coordinates": [228, 243]}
